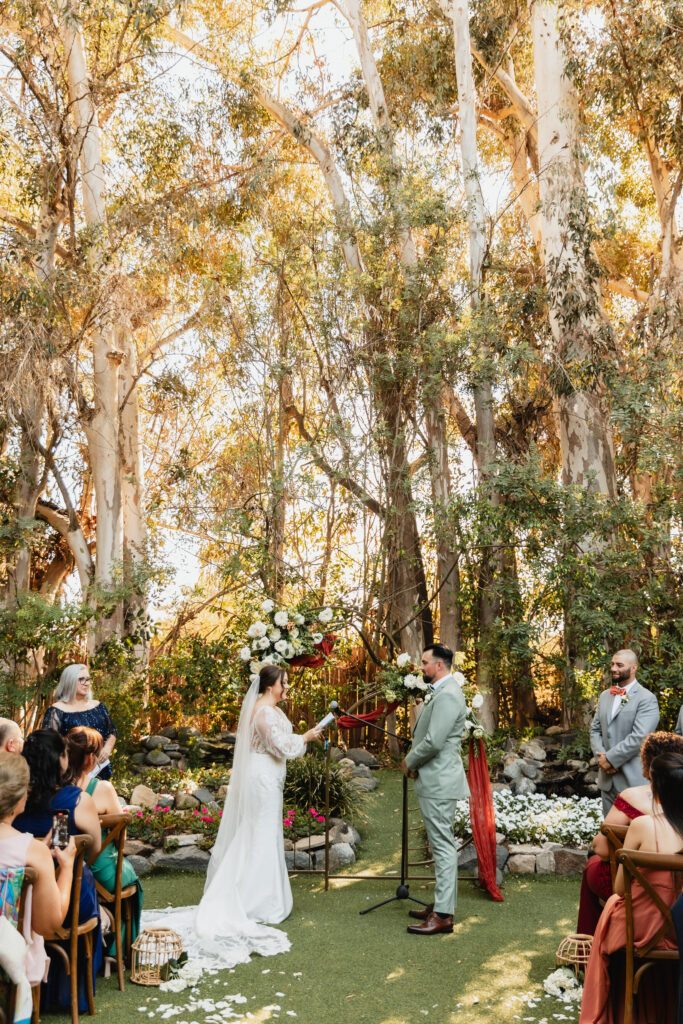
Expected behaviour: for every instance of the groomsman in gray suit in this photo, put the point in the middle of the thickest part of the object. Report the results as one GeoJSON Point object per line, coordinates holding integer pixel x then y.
{"type": "Point", "coordinates": [435, 763]}
{"type": "Point", "coordinates": [625, 714]}
{"type": "Point", "coordinates": [679, 724]}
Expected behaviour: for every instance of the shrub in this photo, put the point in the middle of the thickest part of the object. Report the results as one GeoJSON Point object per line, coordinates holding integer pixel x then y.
{"type": "Point", "coordinates": [305, 786]}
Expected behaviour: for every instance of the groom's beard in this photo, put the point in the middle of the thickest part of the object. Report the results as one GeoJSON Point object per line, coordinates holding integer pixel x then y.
{"type": "Point", "coordinates": [621, 676]}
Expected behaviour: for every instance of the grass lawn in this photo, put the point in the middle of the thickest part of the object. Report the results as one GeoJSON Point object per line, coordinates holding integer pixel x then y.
{"type": "Point", "coordinates": [346, 969]}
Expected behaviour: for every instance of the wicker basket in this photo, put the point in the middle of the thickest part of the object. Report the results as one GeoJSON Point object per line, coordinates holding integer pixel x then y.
{"type": "Point", "coordinates": [574, 951]}
{"type": "Point", "coordinates": [152, 951]}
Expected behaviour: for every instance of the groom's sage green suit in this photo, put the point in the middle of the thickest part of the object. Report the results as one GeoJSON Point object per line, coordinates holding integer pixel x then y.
{"type": "Point", "coordinates": [441, 782]}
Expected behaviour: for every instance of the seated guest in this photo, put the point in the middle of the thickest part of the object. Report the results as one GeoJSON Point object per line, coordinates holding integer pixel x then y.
{"type": "Point", "coordinates": [45, 752]}
{"type": "Point", "coordinates": [75, 705]}
{"type": "Point", "coordinates": [83, 749]}
{"type": "Point", "coordinates": [659, 832]}
{"type": "Point", "coordinates": [11, 738]}
{"type": "Point", "coordinates": [48, 899]}
{"type": "Point", "coordinates": [596, 884]}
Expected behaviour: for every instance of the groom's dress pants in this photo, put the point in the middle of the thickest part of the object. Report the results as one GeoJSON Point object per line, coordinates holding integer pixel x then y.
{"type": "Point", "coordinates": [438, 817]}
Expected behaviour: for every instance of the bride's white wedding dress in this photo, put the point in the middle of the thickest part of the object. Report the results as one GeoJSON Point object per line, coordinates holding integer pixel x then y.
{"type": "Point", "coordinates": [247, 882]}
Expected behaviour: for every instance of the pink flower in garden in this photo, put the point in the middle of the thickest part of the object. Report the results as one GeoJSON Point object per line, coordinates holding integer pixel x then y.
{"type": "Point", "coordinates": [320, 818]}
{"type": "Point", "coordinates": [312, 810]}
{"type": "Point", "coordinates": [139, 814]}
{"type": "Point", "coordinates": [206, 819]}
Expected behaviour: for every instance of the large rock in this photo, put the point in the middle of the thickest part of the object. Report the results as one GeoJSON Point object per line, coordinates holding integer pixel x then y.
{"type": "Point", "coordinates": [157, 758]}
{"type": "Point", "coordinates": [361, 771]}
{"type": "Point", "coordinates": [143, 796]}
{"type": "Point", "coordinates": [141, 865]}
{"type": "Point", "coordinates": [570, 862]}
{"type": "Point", "coordinates": [577, 766]}
{"type": "Point", "coordinates": [222, 793]}
{"type": "Point", "coordinates": [360, 756]}
{"type": "Point", "coordinates": [502, 856]}
{"type": "Point", "coordinates": [344, 833]}
{"type": "Point", "coordinates": [532, 748]}
{"type": "Point", "coordinates": [545, 863]}
{"type": "Point", "coordinates": [467, 858]}
{"type": "Point", "coordinates": [336, 754]}
{"type": "Point", "coordinates": [297, 859]}
{"type": "Point", "coordinates": [513, 770]}
{"type": "Point", "coordinates": [531, 848]}
{"type": "Point", "coordinates": [187, 732]}
{"type": "Point", "coordinates": [205, 797]}
{"type": "Point", "coordinates": [165, 800]}
{"type": "Point", "coordinates": [138, 757]}
{"type": "Point", "coordinates": [553, 730]}
{"type": "Point", "coordinates": [522, 786]}
{"type": "Point", "coordinates": [188, 859]}
{"type": "Point", "coordinates": [136, 848]}
{"type": "Point", "coordinates": [530, 769]}
{"type": "Point", "coordinates": [287, 844]}
{"type": "Point", "coordinates": [181, 841]}
{"type": "Point", "coordinates": [309, 843]}
{"type": "Point", "coordinates": [152, 742]}
{"type": "Point", "coordinates": [341, 854]}
{"type": "Point", "coordinates": [522, 864]}
{"type": "Point", "coordinates": [185, 801]}
{"type": "Point", "coordinates": [170, 732]}
{"type": "Point", "coordinates": [364, 785]}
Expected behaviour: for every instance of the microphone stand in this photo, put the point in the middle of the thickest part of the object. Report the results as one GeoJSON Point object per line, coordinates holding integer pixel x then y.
{"type": "Point", "coordinates": [402, 891]}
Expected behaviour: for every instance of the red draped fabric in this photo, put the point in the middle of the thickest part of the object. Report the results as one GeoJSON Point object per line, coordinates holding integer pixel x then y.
{"type": "Point", "coordinates": [345, 722]}
{"type": "Point", "coordinates": [315, 660]}
{"type": "Point", "coordinates": [482, 817]}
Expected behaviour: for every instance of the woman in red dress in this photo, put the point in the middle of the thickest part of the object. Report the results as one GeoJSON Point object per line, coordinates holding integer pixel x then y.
{"type": "Point", "coordinates": [659, 832]}
{"type": "Point", "coordinates": [596, 883]}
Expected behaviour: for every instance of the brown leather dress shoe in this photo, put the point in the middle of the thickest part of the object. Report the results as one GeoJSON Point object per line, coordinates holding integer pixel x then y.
{"type": "Point", "coordinates": [433, 926]}
{"type": "Point", "coordinates": [421, 915]}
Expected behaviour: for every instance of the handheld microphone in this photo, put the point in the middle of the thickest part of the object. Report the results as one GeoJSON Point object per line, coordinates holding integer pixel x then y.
{"type": "Point", "coordinates": [334, 708]}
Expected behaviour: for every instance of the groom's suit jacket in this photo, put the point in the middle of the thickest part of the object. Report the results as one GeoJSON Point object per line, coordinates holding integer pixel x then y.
{"type": "Point", "coordinates": [679, 725]}
{"type": "Point", "coordinates": [619, 738]}
{"type": "Point", "coordinates": [435, 752]}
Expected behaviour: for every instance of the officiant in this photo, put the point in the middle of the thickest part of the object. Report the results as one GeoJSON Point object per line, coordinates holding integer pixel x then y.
{"type": "Point", "coordinates": [434, 762]}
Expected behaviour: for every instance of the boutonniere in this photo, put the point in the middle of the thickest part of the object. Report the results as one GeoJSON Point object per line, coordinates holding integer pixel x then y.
{"type": "Point", "coordinates": [625, 699]}
{"type": "Point", "coordinates": [428, 697]}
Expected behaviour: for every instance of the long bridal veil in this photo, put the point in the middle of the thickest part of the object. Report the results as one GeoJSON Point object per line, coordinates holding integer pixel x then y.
{"type": "Point", "coordinates": [217, 934]}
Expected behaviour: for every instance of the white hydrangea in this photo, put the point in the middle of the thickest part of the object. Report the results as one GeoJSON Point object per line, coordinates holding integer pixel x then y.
{"type": "Point", "coordinates": [267, 606]}
{"type": "Point", "coordinates": [477, 701]}
{"type": "Point", "coordinates": [288, 651]}
{"type": "Point", "coordinates": [274, 633]}
{"type": "Point", "coordinates": [317, 638]}
{"type": "Point", "coordinates": [281, 646]}
{"type": "Point", "coordinates": [403, 659]}
{"type": "Point", "coordinates": [297, 619]}
{"type": "Point", "coordinates": [412, 681]}
{"type": "Point", "coordinates": [326, 615]}
{"type": "Point", "coordinates": [281, 618]}
{"type": "Point", "coordinates": [293, 633]}
{"type": "Point", "coordinates": [459, 678]}
{"type": "Point", "coordinates": [245, 653]}
{"type": "Point", "coordinates": [263, 644]}
{"type": "Point", "coordinates": [254, 667]}
{"type": "Point", "coordinates": [256, 629]}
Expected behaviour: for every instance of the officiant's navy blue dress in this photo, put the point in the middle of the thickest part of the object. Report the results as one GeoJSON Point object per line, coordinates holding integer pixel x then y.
{"type": "Point", "coordinates": [56, 990]}
{"type": "Point", "coordinates": [95, 718]}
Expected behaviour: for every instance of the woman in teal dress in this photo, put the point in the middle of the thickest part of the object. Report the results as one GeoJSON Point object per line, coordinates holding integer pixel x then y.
{"type": "Point", "coordinates": [83, 747]}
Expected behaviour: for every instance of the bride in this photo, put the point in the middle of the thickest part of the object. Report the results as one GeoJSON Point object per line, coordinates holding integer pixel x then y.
{"type": "Point", "coordinates": [246, 882]}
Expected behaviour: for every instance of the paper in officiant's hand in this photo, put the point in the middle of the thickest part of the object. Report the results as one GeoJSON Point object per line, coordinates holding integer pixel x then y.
{"type": "Point", "coordinates": [324, 722]}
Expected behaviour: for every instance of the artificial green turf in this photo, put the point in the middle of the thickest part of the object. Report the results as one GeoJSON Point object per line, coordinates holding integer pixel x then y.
{"type": "Point", "coordinates": [346, 968]}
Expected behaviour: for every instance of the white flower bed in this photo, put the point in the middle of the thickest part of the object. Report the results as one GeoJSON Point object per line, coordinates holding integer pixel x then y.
{"type": "Point", "coordinates": [535, 818]}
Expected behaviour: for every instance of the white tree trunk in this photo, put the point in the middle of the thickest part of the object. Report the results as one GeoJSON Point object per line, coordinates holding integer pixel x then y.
{"type": "Point", "coordinates": [102, 425]}
{"type": "Point", "coordinates": [575, 312]}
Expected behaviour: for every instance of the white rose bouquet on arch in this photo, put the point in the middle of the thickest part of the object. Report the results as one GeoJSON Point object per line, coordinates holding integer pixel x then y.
{"type": "Point", "coordinates": [284, 635]}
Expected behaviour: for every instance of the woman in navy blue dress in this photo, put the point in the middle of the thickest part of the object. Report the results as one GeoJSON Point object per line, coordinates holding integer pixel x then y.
{"type": "Point", "coordinates": [75, 705]}
{"type": "Point", "coordinates": [45, 752]}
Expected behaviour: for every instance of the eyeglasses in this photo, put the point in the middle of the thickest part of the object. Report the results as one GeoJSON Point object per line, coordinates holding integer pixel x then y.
{"type": "Point", "coordinates": [84, 679]}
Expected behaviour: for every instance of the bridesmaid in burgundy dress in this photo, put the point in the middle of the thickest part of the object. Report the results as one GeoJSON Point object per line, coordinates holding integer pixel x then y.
{"type": "Point", "coordinates": [596, 884]}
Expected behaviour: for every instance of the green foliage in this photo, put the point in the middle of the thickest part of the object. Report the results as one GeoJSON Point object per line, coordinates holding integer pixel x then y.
{"type": "Point", "coordinates": [305, 786]}
{"type": "Point", "coordinates": [199, 674]}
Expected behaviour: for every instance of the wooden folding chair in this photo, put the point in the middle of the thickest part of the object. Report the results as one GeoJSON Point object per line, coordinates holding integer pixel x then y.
{"type": "Point", "coordinates": [73, 933]}
{"type": "Point", "coordinates": [636, 864]}
{"type": "Point", "coordinates": [10, 989]}
{"type": "Point", "coordinates": [119, 902]}
{"type": "Point", "coordinates": [615, 840]}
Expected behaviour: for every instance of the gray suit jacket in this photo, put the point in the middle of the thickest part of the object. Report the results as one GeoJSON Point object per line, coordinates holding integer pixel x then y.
{"type": "Point", "coordinates": [435, 753]}
{"type": "Point", "coordinates": [620, 738]}
{"type": "Point", "coordinates": [679, 724]}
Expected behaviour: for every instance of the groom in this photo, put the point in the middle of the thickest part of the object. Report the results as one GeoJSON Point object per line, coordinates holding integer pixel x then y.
{"type": "Point", "coordinates": [434, 762]}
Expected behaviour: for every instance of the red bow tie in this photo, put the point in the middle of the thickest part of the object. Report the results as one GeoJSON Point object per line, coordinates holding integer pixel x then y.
{"type": "Point", "coordinates": [617, 691]}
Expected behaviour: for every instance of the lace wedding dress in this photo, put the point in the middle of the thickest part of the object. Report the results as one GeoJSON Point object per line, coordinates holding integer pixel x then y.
{"type": "Point", "coordinates": [247, 882]}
